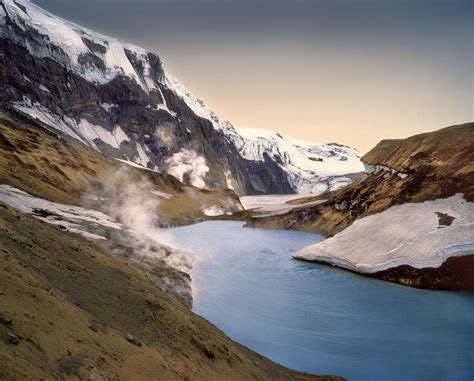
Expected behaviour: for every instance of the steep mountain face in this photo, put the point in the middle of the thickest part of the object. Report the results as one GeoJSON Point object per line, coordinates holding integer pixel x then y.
{"type": "Point", "coordinates": [90, 288]}
{"type": "Point", "coordinates": [118, 99]}
{"type": "Point", "coordinates": [409, 221]}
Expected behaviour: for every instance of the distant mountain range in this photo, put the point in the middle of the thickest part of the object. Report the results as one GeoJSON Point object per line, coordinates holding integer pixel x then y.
{"type": "Point", "coordinates": [118, 99]}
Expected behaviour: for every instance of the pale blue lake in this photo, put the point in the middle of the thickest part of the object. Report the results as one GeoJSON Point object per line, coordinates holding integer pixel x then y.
{"type": "Point", "coordinates": [322, 320]}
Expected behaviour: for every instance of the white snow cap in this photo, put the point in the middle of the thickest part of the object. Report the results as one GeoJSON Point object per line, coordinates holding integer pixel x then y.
{"type": "Point", "coordinates": [71, 39]}
{"type": "Point", "coordinates": [312, 168]}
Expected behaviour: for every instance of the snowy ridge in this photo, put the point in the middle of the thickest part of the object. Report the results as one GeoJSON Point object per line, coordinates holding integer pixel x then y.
{"type": "Point", "coordinates": [411, 235]}
{"type": "Point", "coordinates": [72, 44]}
{"type": "Point", "coordinates": [324, 159]}
{"type": "Point", "coordinates": [197, 105]}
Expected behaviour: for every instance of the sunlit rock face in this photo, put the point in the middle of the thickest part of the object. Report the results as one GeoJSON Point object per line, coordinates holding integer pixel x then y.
{"type": "Point", "coordinates": [118, 99]}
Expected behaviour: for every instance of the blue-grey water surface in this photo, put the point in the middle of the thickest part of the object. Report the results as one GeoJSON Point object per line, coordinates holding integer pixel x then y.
{"type": "Point", "coordinates": [319, 319]}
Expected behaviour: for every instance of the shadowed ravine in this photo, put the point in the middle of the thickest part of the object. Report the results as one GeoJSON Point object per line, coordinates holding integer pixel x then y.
{"type": "Point", "coordinates": [314, 317]}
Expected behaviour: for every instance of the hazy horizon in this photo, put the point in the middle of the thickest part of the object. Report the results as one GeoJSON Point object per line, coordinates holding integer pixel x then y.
{"type": "Point", "coordinates": [352, 72]}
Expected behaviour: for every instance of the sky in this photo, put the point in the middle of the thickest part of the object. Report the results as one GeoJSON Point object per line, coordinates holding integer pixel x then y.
{"type": "Point", "coordinates": [347, 71]}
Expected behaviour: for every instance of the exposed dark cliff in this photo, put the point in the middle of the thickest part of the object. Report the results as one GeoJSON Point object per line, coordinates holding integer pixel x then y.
{"type": "Point", "coordinates": [119, 99]}
{"type": "Point", "coordinates": [70, 96]}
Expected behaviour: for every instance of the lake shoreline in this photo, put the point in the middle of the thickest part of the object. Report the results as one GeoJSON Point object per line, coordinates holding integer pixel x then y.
{"type": "Point", "coordinates": [306, 316]}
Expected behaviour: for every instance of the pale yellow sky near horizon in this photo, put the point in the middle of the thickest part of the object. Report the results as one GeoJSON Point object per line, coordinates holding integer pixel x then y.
{"type": "Point", "coordinates": [326, 96]}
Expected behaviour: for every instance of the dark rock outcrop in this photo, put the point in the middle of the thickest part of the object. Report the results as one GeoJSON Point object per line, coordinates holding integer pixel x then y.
{"type": "Point", "coordinates": [35, 70]}
{"type": "Point", "coordinates": [454, 274]}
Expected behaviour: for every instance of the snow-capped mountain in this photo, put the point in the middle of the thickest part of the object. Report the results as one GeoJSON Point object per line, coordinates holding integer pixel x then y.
{"type": "Point", "coordinates": [118, 99]}
{"type": "Point", "coordinates": [311, 167]}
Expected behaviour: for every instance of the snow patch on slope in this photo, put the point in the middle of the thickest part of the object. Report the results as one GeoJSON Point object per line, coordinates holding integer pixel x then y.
{"type": "Point", "coordinates": [91, 132]}
{"type": "Point", "coordinates": [368, 168]}
{"type": "Point", "coordinates": [83, 131]}
{"type": "Point", "coordinates": [229, 180]}
{"type": "Point", "coordinates": [167, 196]}
{"type": "Point", "coordinates": [135, 165]}
{"type": "Point", "coordinates": [38, 112]}
{"type": "Point", "coordinates": [213, 211]}
{"type": "Point", "coordinates": [108, 106]}
{"type": "Point", "coordinates": [72, 218]}
{"type": "Point", "coordinates": [142, 157]}
{"type": "Point", "coordinates": [408, 234]}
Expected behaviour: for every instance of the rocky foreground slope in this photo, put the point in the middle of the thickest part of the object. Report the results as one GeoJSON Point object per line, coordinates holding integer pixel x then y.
{"type": "Point", "coordinates": [119, 100]}
{"type": "Point", "coordinates": [71, 310]}
{"type": "Point", "coordinates": [411, 220]}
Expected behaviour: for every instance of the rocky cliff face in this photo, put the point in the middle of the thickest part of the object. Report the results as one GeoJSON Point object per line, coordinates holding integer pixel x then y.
{"type": "Point", "coordinates": [119, 100]}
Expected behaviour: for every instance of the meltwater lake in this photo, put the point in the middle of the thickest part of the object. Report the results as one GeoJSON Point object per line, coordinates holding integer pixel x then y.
{"type": "Point", "coordinates": [319, 319]}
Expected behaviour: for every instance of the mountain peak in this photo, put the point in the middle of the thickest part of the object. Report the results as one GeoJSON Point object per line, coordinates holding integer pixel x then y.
{"type": "Point", "coordinates": [95, 57]}
{"type": "Point", "coordinates": [118, 99]}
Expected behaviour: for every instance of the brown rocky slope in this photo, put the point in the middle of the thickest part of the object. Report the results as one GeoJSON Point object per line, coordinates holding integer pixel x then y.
{"type": "Point", "coordinates": [70, 310]}
{"type": "Point", "coordinates": [74, 309]}
{"type": "Point", "coordinates": [66, 171]}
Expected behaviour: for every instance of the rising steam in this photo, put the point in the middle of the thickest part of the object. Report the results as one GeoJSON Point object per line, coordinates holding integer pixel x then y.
{"type": "Point", "coordinates": [187, 165]}
{"type": "Point", "coordinates": [132, 202]}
